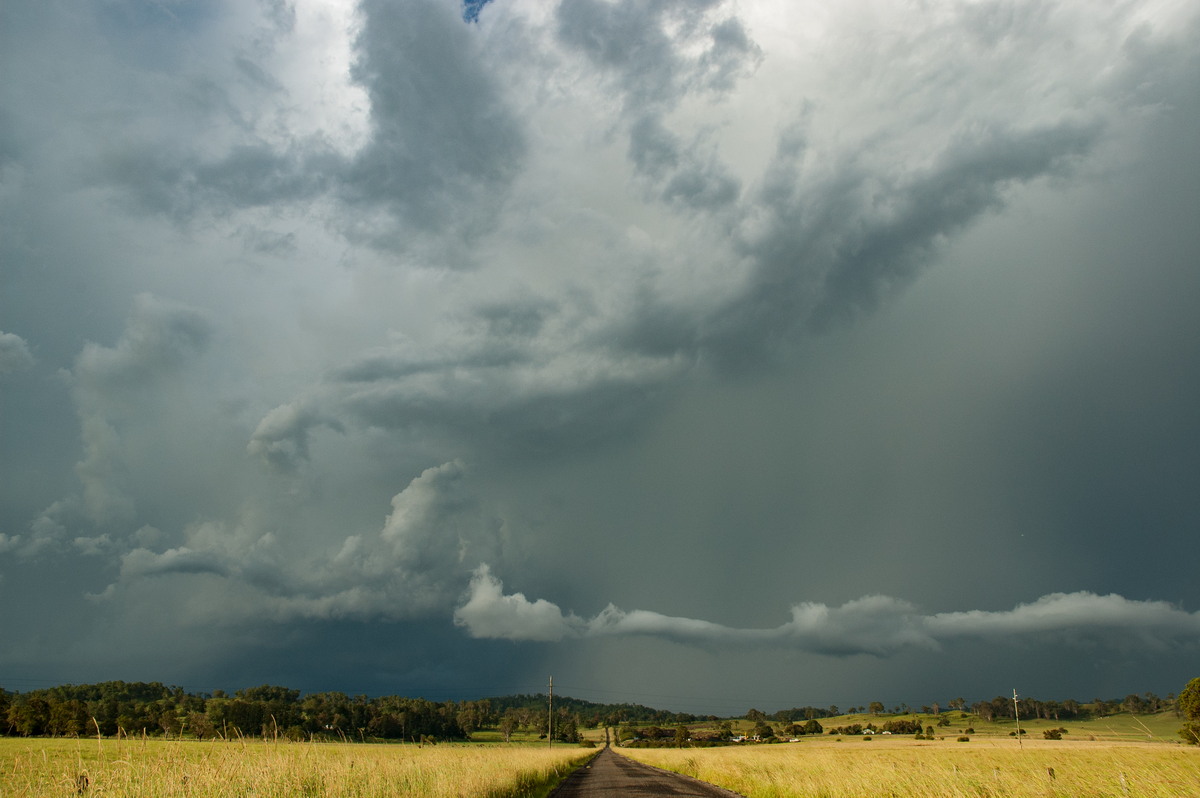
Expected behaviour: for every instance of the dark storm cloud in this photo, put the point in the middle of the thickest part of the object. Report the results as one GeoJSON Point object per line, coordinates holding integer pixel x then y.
{"type": "Point", "coordinates": [641, 44]}
{"type": "Point", "coordinates": [108, 386]}
{"type": "Point", "coordinates": [564, 295]}
{"type": "Point", "coordinates": [832, 248]}
{"type": "Point", "coordinates": [645, 48]}
{"type": "Point", "coordinates": [443, 143]}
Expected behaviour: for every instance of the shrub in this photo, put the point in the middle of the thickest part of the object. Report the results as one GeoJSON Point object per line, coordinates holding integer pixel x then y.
{"type": "Point", "coordinates": [964, 739]}
{"type": "Point", "coordinates": [1052, 734]}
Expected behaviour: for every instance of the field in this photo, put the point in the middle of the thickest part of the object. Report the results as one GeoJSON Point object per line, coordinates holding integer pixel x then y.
{"type": "Point", "coordinates": [1160, 727]}
{"type": "Point", "coordinates": [854, 767]}
{"type": "Point", "coordinates": [161, 768]}
{"type": "Point", "coordinates": [1122, 756]}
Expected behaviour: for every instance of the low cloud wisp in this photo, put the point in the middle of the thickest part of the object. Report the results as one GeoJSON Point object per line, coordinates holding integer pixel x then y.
{"type": "Point", "coordinates": [874, 625]}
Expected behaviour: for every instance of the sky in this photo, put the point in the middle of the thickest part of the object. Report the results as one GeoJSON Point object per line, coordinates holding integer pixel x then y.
{"type": "Point", "coordinates": [701, 354]}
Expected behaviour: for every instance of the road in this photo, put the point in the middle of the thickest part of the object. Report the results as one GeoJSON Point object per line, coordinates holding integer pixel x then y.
{"type": "Point", "coordinates": [612, 774]}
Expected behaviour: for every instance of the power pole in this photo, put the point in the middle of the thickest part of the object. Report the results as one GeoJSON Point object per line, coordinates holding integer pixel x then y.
{"type": "Point", "coordinates": [1017, 717]}
{"type": "Point", "coordinates": [550, 716]}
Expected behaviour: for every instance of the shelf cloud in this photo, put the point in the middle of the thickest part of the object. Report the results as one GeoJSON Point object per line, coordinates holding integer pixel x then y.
{"type": "Point", "coordinates": [872, 625]}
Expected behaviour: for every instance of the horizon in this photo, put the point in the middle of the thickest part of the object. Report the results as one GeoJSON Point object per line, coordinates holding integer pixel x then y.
{"type": "Point", "coordinates": [889, 707]}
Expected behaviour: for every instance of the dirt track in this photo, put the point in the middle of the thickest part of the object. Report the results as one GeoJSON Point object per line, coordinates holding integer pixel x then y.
{"type": "Point", "coordinates": [612, 774]}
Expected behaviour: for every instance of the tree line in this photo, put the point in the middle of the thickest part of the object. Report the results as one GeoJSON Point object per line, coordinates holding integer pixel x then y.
{"type": "Point", "coordinates": [1000, 707]}
{"type": "Point", "coordinates": [152, 708]}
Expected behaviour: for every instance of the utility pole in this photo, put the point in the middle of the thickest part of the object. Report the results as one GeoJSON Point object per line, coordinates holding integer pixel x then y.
{"type": "Point", "coordinates": [550, 716]}
{"type": "Point", "coordinates": [1017, 716]}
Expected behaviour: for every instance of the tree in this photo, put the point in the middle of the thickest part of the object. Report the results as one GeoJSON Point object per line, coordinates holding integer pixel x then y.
{"type": "Point", "coordinates": [875, 707]}
{"type": "Point", "coordinates": [508, 724]}
{"type": "Point", "coordinates": [756, 716]}
{"type": "Point", "coordinates": [1189, 705]}
{"type": "Point", "coordinates": [681, 735]}
{"type": "Point", "coordinates": [200, 726]}
{"type": "Point", "coordinates": [1189, 700]}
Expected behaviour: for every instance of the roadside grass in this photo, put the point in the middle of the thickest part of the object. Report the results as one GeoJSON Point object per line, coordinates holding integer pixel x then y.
{"type": "Point", "coordinates": [847, 768]}
{"type": "Point", "coordinates": [168, 768]}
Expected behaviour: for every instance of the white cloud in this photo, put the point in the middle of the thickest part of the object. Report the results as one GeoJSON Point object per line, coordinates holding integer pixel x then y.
{"type": "Point", "coordinates": [489, 613]}
{"type": "Point", "coordinates": [872, 625]}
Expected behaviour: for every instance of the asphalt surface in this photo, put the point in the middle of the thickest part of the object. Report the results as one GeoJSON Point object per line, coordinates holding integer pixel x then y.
{"type": "Point", "coordinates": [612, 774]}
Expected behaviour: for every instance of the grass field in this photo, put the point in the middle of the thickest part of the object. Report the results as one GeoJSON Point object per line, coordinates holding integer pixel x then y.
{"type": "Point", "coordinates": [161, 768]}
{"type": "Point", "coordinates": [1161, 727]}
{"type": "Point", "coordinates": [1121, 756]}
{"type": "Point", "coordinates": [994, 768]}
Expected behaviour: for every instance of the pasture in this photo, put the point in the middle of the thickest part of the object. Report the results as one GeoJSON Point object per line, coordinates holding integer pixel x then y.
{"type": "Point", "coordinates": [166, 768]}
{"type": "Point", "coordinates": [855, 767]}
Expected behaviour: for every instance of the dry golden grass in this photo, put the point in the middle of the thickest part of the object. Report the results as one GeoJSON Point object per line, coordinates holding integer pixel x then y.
{"type": "Point", "coordinates": [163, 769]}
{"type": "Point", "coordinates": [904, 767]}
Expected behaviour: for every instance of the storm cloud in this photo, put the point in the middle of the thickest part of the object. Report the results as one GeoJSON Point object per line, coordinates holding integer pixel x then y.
{"type": "Point", "coordinates": [425, 330]}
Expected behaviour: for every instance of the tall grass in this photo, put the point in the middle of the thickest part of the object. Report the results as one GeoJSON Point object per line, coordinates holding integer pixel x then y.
{"type": "Point", "coordinates": [163, 769]}
{"type": "Point", "coordinates": [882, 768]}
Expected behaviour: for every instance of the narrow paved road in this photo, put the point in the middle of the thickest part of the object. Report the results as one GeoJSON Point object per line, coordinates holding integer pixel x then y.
{"type": "Point", "coordinates": [612, 774]}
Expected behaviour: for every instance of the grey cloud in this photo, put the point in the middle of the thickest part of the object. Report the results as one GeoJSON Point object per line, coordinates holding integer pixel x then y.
{"type": "Point", "coordinates": [646, 47]}
{"type": "Point", "coordinates": [642, 44]}
{"type": "Point", "coordinates": [181, 185]}
{"type": "Point", "coordinates": [443, 146]}
{"type": "Point", "coordinates": [522, 319]}
{"type": "Point", "coordinates": [873, 625]}
{"type": "Point", "coordinates": [874, 254]}
{"type": "Point", "coordinates": [281, 438]}
{"type": "Point", "coordinates": [159, 336]}
{"type": "Point", "coordinates": [832, 248]}
{"type": "Point", "coordinates": [827, 247]}
{"type": "Point", "coordinates": [414, 565]}
{"type": "Point", "coordinates": [260, 241]}
{"type": "Point", "coordinates": [660, 203]}
{"type": "Point", "coordinates": [527, 372]}
{"type": "Point", "coordinates": [108, 388]}
{"type": "Point", "coordinates": [677, 171]}
{"type": "Point", "coordinates": [14, 353]}
{"type": "Point", "coordinates": [143, 562]}
{"type": "Point", "coordinates": [732, 55]}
